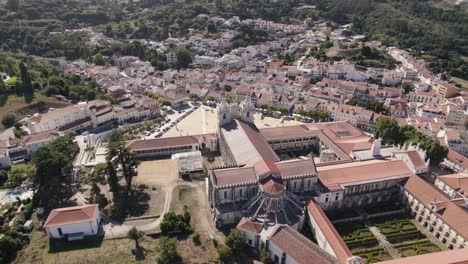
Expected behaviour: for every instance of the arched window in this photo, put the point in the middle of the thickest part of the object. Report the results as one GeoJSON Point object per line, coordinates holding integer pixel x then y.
{"type": "Point", "coordinates": [248, 114]}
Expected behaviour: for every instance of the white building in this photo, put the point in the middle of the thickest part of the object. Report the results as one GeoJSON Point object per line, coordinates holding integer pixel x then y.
{"type": "Point", "coordinates": [74, 223]}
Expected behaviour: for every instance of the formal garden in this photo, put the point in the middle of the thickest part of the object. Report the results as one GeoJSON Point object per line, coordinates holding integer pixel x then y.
{"type": "Point", "coordinates": [416, 247]}
{"type": "Point", "coordinates": [398, 230]}
{"type": "Point", "coordinates": [373, 255]}
{"type": "Point", "coordinates": [355, 234]}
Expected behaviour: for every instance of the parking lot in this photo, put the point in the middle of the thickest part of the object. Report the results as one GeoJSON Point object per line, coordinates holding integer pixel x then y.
{"type": "Point", "coordinates": [174, 116]}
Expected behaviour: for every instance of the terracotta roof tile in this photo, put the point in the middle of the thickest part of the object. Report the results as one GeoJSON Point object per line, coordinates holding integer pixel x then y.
{"type": "Point", "coordinates": [250, 226]}
{"type": "Point", "coordinates": [71, 215]}
{"type": "Point", "coordinates": [272, 186]}
{"type": "Point", "coordinates": [231, 176]}
{"type": "Point", "coordinates": [454, 215]}
{"type": "Point", "coordinates": [334, 239]}
{"type": "Point", "coordinates": [457, 182]}
{"type": "Point", "coordinates": [300, 248]}
{"type": "Point", "coordinates": [335, 177]}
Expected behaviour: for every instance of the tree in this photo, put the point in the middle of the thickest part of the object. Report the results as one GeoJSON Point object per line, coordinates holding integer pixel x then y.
{"type": "Point", "coordinates": [265, 257]}
{"type": "Point", "coordinates": [8, 120]}
{"type": "Point", "coordinates": [165, 102]}
{"type": "Point", "coordinates": [210, 98]}
{"type": "Point", "coordinates": [166, 248]}
{"type": "Point", "coordinates": [183, 58]}
{"type": "Point", "coordinates": [227, 88]}
{"type": "Point", "coordinates": [119, 155]}
{"type": "Point", "coordinates": [8, 248]}
{"type": "Point", "coordinates": [3, 92]}
{"type": "Point", "coordinates": [436, 152]}
{"type": "Point", "coordinates": [225, 254]}
{"type": "Point", "coordinates": [12, 5]}
{"type": "Point", "coordinates": [41, 105]}
{"type": "Point", "coordinates": [193, 96]}
{"type": "Point", "coordinates": [235, 240]}
{"type": "Point", "coordinates": [388, 129]}
{"type": "Point", "coordinates": [408, 87]}
{"type": "Point", "coordinates": [173, 223]}
{"type": "Point", "coordinates": [53, 164]}
{"type": "Point", "coordinates": [98, 59]}
{"type": "Point", "coordinates": [136, 235]}
{"type": "Point", "coordinates": [3, 177]}
{"type": "Point", "coordinates": [26, 83]}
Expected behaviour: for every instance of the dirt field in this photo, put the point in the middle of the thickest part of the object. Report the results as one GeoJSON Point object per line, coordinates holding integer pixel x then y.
{"type": "Point", "coordinates": [16, 105]}
{"type": "Point", "coordinates": [157, 172]}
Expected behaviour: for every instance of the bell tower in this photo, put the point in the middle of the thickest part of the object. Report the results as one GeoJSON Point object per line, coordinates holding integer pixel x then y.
{"type": "Point", "coordinates": [247, 110]}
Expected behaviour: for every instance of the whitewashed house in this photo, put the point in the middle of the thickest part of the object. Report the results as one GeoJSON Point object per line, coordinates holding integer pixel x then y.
{"type": "Point", "coordinates": [74, 223]}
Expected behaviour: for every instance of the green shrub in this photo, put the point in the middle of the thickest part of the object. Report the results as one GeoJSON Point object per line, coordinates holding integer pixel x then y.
{"type": "Point", "coordinates": [196, 239]}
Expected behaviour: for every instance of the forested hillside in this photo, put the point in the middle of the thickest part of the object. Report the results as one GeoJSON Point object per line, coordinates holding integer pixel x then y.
{"type": "Point", "coordinates": [26, 24]}
{"type": "Point", "coordinates": [439, 36]}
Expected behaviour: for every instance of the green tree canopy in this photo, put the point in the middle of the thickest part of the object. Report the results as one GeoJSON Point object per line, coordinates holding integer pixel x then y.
{"type": "Point", "coordinates": [183, 58]}
{"type": "Point", "coordinates": [166, 248]}
{"type": "Point", "coordinates": [135, 235]}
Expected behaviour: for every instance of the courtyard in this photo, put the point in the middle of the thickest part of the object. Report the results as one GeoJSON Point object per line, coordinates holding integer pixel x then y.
{"type": "Point", "coordinates": [205, 120]}
{"type": "Point", "coordinates": [383, 233]}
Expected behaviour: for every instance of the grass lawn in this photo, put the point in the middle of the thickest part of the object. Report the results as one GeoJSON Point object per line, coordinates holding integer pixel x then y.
{"type": "Point", "coordinates": [15, 104]}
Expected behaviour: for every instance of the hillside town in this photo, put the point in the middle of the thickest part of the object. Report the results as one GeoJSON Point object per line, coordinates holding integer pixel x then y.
{"type": "Point", "coordinates": [286, 150]}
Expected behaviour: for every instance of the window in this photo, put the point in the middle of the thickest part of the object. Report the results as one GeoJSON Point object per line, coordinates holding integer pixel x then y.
{"type": "Point", "coordinates": [295, 185]}
{"type": "Point", "coordinates": [276, 259]}
{"type": "Point", "coordinates": [225, 194]}
{"type": "Point", "coordinates": [224, 116]}
{"type": "Point", "coordinates": [240, 192]}
{"type": "Point", "coordinates": [59, 230]}
{"type": "Point", "coordinates": [326, 199]}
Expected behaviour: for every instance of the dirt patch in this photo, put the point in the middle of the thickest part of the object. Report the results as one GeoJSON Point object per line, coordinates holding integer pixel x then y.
{"type": "Point", "coordinates": [205, 252]}
{"type": "Point", "coordinates": [157, 172]}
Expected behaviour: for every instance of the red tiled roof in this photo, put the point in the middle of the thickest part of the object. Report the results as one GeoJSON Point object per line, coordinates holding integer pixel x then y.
{"type": "Point", "coordinates": [72, 215]}
{"type": "Point", "coordinates": [74, 124]}
{"type": "Point", "coordinates": [299, 167]}
{"type": "Point", "coordinates": [416, 159]}
{"type": "Point", "coordinates": [272, 186]}
{"type": "Point", "coordinates": [455, 216]}
{"type": "Point", "coordinates": [157, 143]}
{"type": "Point", "coordinates": [457, 157]}
{"type": "Point", "coordinates": [231, 176]}
{"type": "Point", "coordinates": [250, 226]}
{"type": "Point", "coordinates": [459, 256]}
{"type": "Point", "coordinates": [335, 177]}
{"type": "Point", "coordinates": [300, 248]}
{"type": "Point", "coordinates": [265, 167]}
{"type": "Point", "coordinates": [335, 241]}
{"type": "Point", "coordinates": [457, 182]}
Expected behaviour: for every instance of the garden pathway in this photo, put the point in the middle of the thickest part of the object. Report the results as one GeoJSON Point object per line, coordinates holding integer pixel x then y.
{"type": "Point", "coordinates": [379, 236]}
